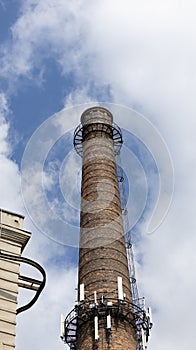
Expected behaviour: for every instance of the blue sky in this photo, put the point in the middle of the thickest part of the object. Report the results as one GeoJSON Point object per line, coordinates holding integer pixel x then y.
{"type": "Point", "coordinates": [56, 55]}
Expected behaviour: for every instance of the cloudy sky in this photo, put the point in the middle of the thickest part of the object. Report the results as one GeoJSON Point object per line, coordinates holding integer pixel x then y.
{"type": "Point", "coordinates": [56, 55]}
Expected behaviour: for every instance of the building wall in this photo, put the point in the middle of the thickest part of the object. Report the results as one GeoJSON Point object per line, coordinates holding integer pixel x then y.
{"type": "Point", "coordinates": [8, 295]}
{"type": "Point", "coordinates": [12, 241]}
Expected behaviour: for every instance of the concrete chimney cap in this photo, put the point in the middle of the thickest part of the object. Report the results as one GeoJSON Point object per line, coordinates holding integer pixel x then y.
{"type": "Point", "coordinates": [97, 115]}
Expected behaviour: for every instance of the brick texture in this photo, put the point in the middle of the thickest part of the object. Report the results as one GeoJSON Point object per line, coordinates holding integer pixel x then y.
{"type": "Point", "coordinates": [102, 247]}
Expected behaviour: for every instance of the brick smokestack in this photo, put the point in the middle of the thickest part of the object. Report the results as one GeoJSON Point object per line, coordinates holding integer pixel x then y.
{"type": "Point", "coordinates": [103, 266]}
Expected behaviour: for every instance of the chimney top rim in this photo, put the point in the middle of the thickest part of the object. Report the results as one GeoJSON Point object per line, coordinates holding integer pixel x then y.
{"type": "Point", "coordinates": [92, 110]}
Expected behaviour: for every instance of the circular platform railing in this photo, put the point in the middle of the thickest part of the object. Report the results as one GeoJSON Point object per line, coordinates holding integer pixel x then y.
{"type": "Point", "coordinates": [86, 311]}
{"type": "Point", "coordinates": [114, 131]}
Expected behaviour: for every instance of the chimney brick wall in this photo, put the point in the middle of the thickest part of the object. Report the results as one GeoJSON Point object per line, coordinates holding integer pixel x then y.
{"type": "Point", "coordinates": [102, 255]}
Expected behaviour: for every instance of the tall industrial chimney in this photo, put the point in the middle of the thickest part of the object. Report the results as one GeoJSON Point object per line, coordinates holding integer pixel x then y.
{"type": "Point", "coordinates": [105, 315]}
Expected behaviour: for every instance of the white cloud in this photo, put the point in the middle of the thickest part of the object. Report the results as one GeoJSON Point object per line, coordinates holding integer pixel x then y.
{"type": "Point", "coordinates": [58, 294]}
{"type": "Point", "coordinates": [43, 30]}
{"type": "Point", "coordinates": [9, 176]}
{"type": "Point", "coordinates": [146, 52]}
{"type": "Point", "coordinates": [40, 326]}
{"type": "Point", "coordinates": [78, 96]}
{"type": "Point", "coordinates": [4, 126]}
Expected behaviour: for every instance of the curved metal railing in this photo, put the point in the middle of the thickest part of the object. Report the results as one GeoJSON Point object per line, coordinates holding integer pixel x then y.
{"type": "Point", "coordinates": [41, 284]}
{"type": "Point", "coordinates": [118, 309]}
{"type": "Point", "coordinates": [114, 130]}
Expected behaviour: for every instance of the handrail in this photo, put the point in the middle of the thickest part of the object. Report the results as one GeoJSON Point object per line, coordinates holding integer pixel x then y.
{"type": "Point", "coordinates": [38, 267]}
